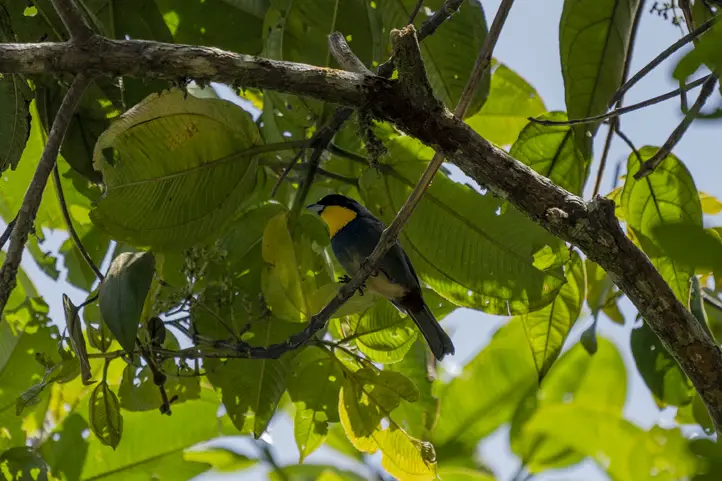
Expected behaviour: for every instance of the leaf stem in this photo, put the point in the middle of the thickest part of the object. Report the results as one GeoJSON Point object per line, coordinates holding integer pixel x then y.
{"type": "Point", "coordinates": [69, 224]}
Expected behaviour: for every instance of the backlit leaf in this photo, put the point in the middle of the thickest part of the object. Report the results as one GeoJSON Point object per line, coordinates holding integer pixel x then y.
{"type": "Point", "coordinates": [472, 249]}
{"type": "Point", "coordinates": [593, 42]}
{"type": "Point", "coordinates": [175, 168]}
{"type": "Point", "coordinates": [602, 293]}
{"type": "Point", "coordinates": [221, 459]}
{"type": "Point", "coordinates": [551, 151]}
{"type": "Point", "coordinates": [666, 196]}
{"type": "Point", "coordinates": [77, 340]}
{"type": "Point", "coordinates": [510, 103]}
{"type": "Point", "coordinates": [659, 369]}
{"type": "Point", "coordinates": [314, 383]}
{"type": "Point", "coordinates": [23, 464]}
{"type": "Point", "coordinates": [547, 328]}
{"type": "Point", "coordinates": [105, 418]}
{"type": "Point", "coordinates": [450, 53]}
{"type": "Point", "coordinates": [506, 368]}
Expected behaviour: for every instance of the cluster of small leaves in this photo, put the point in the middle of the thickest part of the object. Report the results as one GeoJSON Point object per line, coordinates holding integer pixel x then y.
{"type": "Point", "coordinates": [204, 253]}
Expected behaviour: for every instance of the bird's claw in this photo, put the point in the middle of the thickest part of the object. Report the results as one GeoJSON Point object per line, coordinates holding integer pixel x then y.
{"type": "Point", "coordinates": [346, 279]}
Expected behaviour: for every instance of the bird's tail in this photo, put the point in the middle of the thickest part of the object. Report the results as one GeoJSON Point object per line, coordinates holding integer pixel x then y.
{"type": "Point", "coordinates": [439, 342]}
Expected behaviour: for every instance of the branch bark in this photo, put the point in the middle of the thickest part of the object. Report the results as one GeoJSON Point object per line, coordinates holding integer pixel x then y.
{"type": "Point", "coordinates": [591, 226]}
{"type": "Point", "coordinates": [34, 194]}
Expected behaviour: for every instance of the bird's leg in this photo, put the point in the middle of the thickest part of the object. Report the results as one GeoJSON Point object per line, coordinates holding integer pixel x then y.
{"type": "Point", "coordinates": [344, 279]}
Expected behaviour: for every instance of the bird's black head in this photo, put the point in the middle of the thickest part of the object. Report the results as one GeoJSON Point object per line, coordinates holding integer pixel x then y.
{"type": "Point", "coordinates": [336, 200]}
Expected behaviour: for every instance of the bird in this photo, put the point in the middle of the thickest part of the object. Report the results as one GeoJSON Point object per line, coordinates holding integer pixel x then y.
{"type": "Point", "coordinates": [354, 232]}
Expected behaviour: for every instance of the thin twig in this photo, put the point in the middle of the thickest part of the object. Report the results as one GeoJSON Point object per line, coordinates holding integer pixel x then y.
{"type": "Point", "coordinates": [629, 143]}
{"type": "Point", "coordinates": [69, 224]}
{"type": "Point", "coordinates": [660, 58]}
{"type": "Point", "coordinates": [415, 12]}
{"type": "Point", "coordinates": [34, 193]}
{"type": "Point", "coordinates": [73, 20]}
{"type": "Point", "coordinates": [615, 121]}
{"type": "Point", "coordinates": [344, 56]}
{"type": "Point", "coordinates": [624, 110]}
{"type": "Point", "coordinates": [650, 164]}
{"type": "Point", "coordinates": [287, 170]}
{"type": "Point", "coordinates": [8, 230]}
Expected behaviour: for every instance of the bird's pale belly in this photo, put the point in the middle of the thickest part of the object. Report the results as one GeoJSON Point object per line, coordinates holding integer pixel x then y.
{"type": "Point", "coordinates": [383, 287]}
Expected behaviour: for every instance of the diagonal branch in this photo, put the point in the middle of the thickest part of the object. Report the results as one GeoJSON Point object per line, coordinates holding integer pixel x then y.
{"type": "Point", "coordinates": [34, 194]}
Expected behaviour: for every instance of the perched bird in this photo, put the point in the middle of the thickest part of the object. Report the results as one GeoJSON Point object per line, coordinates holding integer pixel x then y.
{"type": "Point", "coordinates": [354, 234]}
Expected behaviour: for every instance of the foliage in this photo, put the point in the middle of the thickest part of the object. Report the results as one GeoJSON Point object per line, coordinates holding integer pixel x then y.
{"type": "Point", "coordinates": [171, 188]}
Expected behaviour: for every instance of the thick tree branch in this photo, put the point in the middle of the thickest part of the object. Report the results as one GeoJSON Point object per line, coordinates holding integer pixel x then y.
{"type": "Point", "coordinates": [34, 194]}
{"type": "Point", "coordinates": [590, 226]}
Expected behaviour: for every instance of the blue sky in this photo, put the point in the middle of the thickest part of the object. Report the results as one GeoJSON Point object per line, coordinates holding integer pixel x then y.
{"type": "Point", "coordinates": [529, 45]}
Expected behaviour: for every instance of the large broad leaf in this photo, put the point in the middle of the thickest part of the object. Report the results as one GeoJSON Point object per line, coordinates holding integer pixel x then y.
{"type": "Point", "coordinates": [666, 196]}
{"type": "Point", "coordinates": [623, 450]}
{"type": "Point", "coordinates": [296, 282]}
{"type": "Point", "coordinates": [506, 370]}
{"type": "Point", "coordinates": [19, 347]}
{"type": "Point", "coordinates": [506, 111]}
{"type": "Point", "coordinates": [122, 295]}
{"type": "Point", "coordinates": [220, 458]}
{"type": "Point", "coordinates": [464, 474]}
{"type": "Point", "coordinates": [472, 249]}
{"type": "Point", "coordinates": [319, 472]}
{"type": "Point", "coordinates": [23, 464]}
{"type": "Point", "coordinates": [252, 388]}
{"type": "Point", "coordinates": [228, 24]}
{"type": "Point", "coordinates": [152, 445]}
{"type": "Point", "coordinates": [314, 384]}
{"type": "Point", "coordinates": [547, 328]}
{"type": "Point", "coordinates": [15, 122]}
{"type": "Point", "coordinates": [597, 381]}
{"type": "Point", "coordinates": [175, 170]}
{"type": "Point", "coordinates": [659, 369]}
{"type": "Point", "coordinates": [551, 151]}
{"type": "Point", "coordinates": [369, 396]}
{"type": "Point", "coordinates": [450, 53]}
{"type": "Point", "coordinates": [593, 42]}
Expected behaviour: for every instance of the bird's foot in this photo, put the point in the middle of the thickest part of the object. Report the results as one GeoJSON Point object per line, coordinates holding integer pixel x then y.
{"type": "Point", "coordinates": [346, 279]}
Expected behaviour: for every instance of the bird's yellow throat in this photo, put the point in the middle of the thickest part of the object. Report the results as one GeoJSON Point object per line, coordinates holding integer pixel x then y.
{"type": "Point", "coordinates": [336, 217]}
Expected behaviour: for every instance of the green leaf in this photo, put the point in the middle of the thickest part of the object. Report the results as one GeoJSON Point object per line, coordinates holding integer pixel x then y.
{"type": "Point", "coordinates": [138, 392]}
{"type": "Point", "coordinates": [506, 111]}
{"type": "Point", "coordinates": [20, 344]}
{"type": "Point", "coordinates": [367, 397]}
{"type": "Point", "coordinates": [506, 368]}
{"type": "Point", "coordinates": [314, 384]}
{"type": "Point", "coordinates": [449, 55]}
{"type": "Point", "coordinates": [15, 122]}
{"type": "Point", "coordinates": [175, 168]}
{"type": "Point", "coordinates": [419, 417]}
{"type": "Point", "coordinates": [547, 328]}
{"type": "Point", "coordinates": [705, 52]}
{"type": "Point", "coordinates": [221, 459]}
{"type": "Point", "coordinates": [464, 474]}
{"type": "Point", "coordinates": [23, 464]}
{"type": "Point", "coordinates": [666, 196]}
{"type": "Point", "coordinates": [623, 450]}
{"type": "Point", "coordinates": [711, 205]}
{"type": "Point", "coordinates": [594, 39]}
{"type": "Point", "coordinates": [660, 371]}
{"type": "Point", "coordinates": [597, 381]}
{"type": "Point", "coordinates": [123, 292]}
{"type": "Point", "coordinates": [295, 278]}
{"type": "Point", "coordinates": [77, 340]}
{"type": "Point", "coordinates": [105, 418]}
{"type": "Point", "coordinates": [65, 451]}
{"type": "Point", "coordinates": [456, 234]}
{"type": "Point", "coordinates": [689, 244]}
{"type": "Point", "coordinates": [551, 151]}
{"type": "Point", "coordinates": [602, 293]}
{"type": "Point", "coordinates": [709, 455]}
{"type": "Point", "coordinates": [234, 25]}
{"type": "Point", "coordinates": [381, 333]}
{"type": "Point", "coordinates": [99, 336]}
{"type": "Point", "coordinates": [318, 472]}
{"type": "Point", "coordinates": [252, 388]}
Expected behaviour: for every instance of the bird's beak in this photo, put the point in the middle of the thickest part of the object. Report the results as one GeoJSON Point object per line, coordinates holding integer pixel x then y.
{"type": "Point", "coordinates": [317, 208]}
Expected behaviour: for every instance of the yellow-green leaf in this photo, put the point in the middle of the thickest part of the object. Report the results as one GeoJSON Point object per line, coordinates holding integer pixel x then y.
{"type": "Point", "coordinates": [666, 196]}
{"type": "Point", "coordinates": [547, 328]}
{"type": "Point", "coordinates": [175, 169]}
{"type": "Point", "coordinates": [506, 111]}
